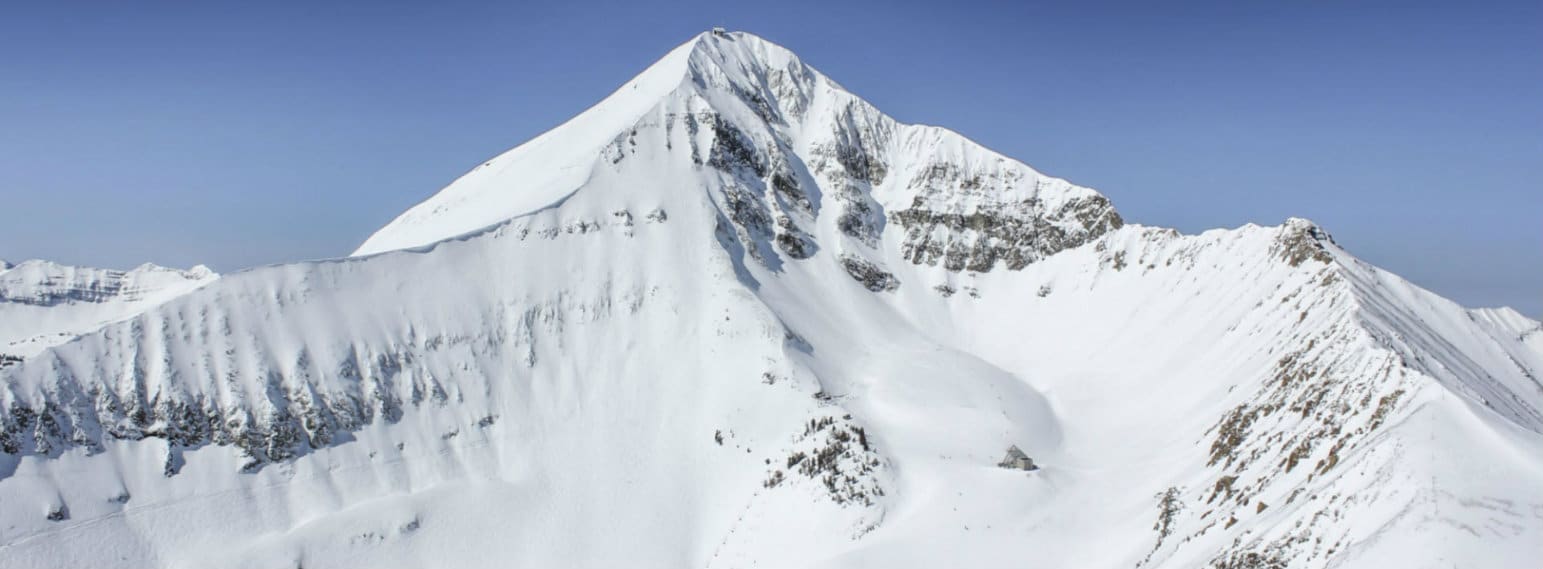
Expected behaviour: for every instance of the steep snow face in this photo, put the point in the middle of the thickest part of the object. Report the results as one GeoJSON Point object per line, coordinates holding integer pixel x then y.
{"type": "Point", "coordinates": [740, 317]}
{"type": "Point", "coordinates": [45, 304]}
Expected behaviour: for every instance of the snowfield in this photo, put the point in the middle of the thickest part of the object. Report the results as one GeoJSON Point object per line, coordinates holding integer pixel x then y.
{"type": "Point", "coordinates": [735, 316]}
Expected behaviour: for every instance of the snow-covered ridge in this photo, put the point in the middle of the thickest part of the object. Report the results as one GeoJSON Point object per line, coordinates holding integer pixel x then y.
{"type": "Point", "coordinates": [1488, 356]}
{"type": "Point", "coordinates": [44, 304]}
{"type": "Point", "coordinates": [1302, 449]}
{"type": "Point", "coordinates": [44, 283]}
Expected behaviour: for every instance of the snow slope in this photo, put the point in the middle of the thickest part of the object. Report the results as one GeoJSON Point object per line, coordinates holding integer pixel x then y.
{"type": "Point", "coordinates": [735, 316]}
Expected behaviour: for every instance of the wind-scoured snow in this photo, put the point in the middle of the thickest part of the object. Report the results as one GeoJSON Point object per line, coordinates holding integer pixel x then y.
{"type": "Point", "coordinates": [734, 316]}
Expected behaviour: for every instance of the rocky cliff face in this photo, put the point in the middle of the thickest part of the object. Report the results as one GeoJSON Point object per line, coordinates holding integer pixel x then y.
{"type": "Point", "coordinates": [977, 236]}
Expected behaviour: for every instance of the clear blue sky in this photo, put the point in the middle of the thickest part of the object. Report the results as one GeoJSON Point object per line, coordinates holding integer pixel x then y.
{"type": "Point", "coordinates": [238, 134]}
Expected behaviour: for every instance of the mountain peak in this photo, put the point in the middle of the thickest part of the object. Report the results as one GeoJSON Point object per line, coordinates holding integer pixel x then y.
{"type": "Point", "coordinates": [738, 53]}
{"type": "Point", "coordinates": [792, 122]}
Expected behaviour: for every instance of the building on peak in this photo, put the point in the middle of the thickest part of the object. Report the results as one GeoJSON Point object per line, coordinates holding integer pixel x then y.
{"type": "Point", "coordinates": [1016, 460]}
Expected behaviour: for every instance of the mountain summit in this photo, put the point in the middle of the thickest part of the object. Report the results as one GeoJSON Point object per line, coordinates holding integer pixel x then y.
{"type": "Point", "coordinates": [733, 315]}
{"type": "Point", "coordinates": [761, 117]}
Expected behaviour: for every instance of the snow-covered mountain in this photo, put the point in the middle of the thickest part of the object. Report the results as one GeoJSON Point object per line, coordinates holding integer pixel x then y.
{"type": "Point", "coordinates": [732, 316]}
{"type": "Point", "coordinates": [45, 304]}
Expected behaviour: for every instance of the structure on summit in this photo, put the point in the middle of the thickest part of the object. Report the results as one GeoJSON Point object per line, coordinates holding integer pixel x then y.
{"type": "Point", "coordinates": [1016, 460]}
